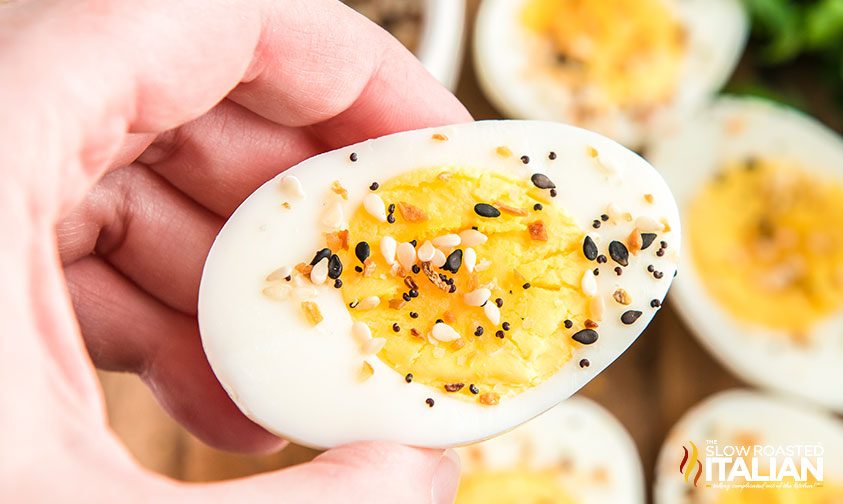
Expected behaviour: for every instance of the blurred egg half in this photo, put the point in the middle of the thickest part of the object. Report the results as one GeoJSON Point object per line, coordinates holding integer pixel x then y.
{"type": "Point", "coordinates": [575, 452]}
{"type": "Point", "coordinates": [760, 188]}
{"type": "Point", "coordinates": [624, 68]}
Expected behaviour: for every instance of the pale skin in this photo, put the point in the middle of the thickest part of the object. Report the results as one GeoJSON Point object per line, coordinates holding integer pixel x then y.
{"type": "Point", "coordinates": [129, 131]}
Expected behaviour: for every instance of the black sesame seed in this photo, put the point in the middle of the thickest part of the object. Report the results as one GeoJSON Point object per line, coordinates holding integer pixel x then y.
{"type": "Point", "coordinates": [568, 324]}
{"type": "Point", "coordinates": [553, 193]}
{"type": "Point", "coordinates": [440, 321]}
{"type": "Point", "coordinates": [596, 271]}
{"type": "Point", "coordinates": [499, 334]}
{"type": "Point", "coordinates": [585, 336]}
{"type": "Point", "coordinates": [475, 228]}
{"type": "Point", "coordinates": [353, 304]}
{"type": "Point", "coordinates": [429, 401]}
{"type": "Point", "coordinates": [478, 331]}
{"type": "Point", "coordinates": [486, 210]}
{"type": "Point", "coordinates": [413, 293]}
{"type": "Point", "coordinates": [453, 262]}
{"type": "Point", "coordinates": [589, 248]}
{"type": "Point", "coordinates": [526, 285]}
{"type": "Point", "coordinates": [538, 207]}
{"type": "Point", "coordinates": [406, 297]}
{"type": "Point", "coordinates": [414, 314]}
{"type": "Point", "coordinates": [551, 156]}
{"type": "Point", "coordinates": [655, 303]}
{"type": "Point", "coordinates": [584, 363]}
{"type": "Point", "coordinates": [322, 254]}
{"type": "Point", "coordinates": [505, 326]}
{"type": "Point", "coordinates": [647, 239]}
{"type": "Point", "coordinates": [604, 217]}
{"type": "Point", "coordinates": [288, 278]}
{"type": "Point", "coordinates": [353, 157]}
{"type": "Point", "coordinates": [619, 253]}
{"type": "Point", "coordinates": [396, 327]}
{"type": "Point", "coordinates": [630, 316]}
{"type": "Point", "coordinates": [601, 259]}
{"type": "Point", "coordinates": [595, 224]}
{"type": "Point", "coordinates": [414, 243]}
{"type": "Point", "coordinates": [453, 289]}
{"type": "Point", "coordinates": [663, 244]}
{"type": "Point", "coordinates": [499, 302]}
{"type": "Point", "coordinates": [358, 269]}
{"type": "Point", "coordinates": [541, 181]}
{"type": "Point", "coordinates": [416, 268]}
{"type": "Point", "coordinates": [409, 378]}
{"type": "Point", "coordinates": [362, 250]}
{"type": "Point", "coordinates": [473, 388]}
{"type": "Point", "coordinates": [525, 159]}
{"type": "Point", "coordinates": [390, 218]}
{"type": "Point", "coordinates": [334, 267]}
{"type": "Point", "coordinates": [660, 252]}
{"type": "Point", "coordinates": [618, 270]}
{"type": "Point", "coordinates": [658, 275]}
{"type": "Point", "coordinates": [374, 186]}
{"type": "Point", "coordinates": [651, 268]}
{"type": "Point", "coordinates": [337, 283]}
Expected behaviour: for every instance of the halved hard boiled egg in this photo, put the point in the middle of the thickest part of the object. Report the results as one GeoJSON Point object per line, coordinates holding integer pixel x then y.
{"type": "Point", "coordinates": [436, 287]}
{"type": "Point", "coordinates": [743, 447]}
{"type": "Point", "coordinates": [761, 191]}
{"type": "Point", "coordinates": [623, 68]}
{"type": "Point", "coordinates": [575, 452]}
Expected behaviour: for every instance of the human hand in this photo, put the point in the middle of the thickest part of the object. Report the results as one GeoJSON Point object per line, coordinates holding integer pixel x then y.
{"type": "Point", "coordinates": [130, 131]}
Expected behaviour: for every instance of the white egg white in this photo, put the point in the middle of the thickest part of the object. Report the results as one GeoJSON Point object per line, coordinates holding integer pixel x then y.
{"type": "Point", "coordinates": [505, 60]}
{"type": "Point", "coordinates": [301, 381]}
{"type": "Point", "coordinates": [578, 435]}
{"type": "Point", "coordinates": [735, 414]}
{"type": "Point", "coordinates": [690, 158]}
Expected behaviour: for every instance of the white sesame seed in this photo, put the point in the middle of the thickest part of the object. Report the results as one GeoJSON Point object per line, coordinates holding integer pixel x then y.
{"type": "Point", "coordinates": [334, 216]}
{"type": "Point", "coordinates": [443, 332]}
{"type": "Point", "coordinates": [369, 303]}
{"type": "Point", "coordinates": [439, 259]}
{"type": "Point", "coordinates": [291, 187]}
{"type": "Point", "coordinates": [277, 291]}
{"type": "Point", "coordinates": [483, 265]}
{"type": "Point", "coordinates": [447, 241]}
{"type": "Point", "coordinates": [361, 332]}
{"type": "Point", "coordinates": [477, 297]}
{"type": "Point", "coordinates": [469, 259]}
{"type": "Point", "coordinates": [648, 224]}
{"type": "Point", "coordinates": [596, 308]}
{"type": "Point", "coordinates": [300, 280]}
{"type": "Point", "coordinates": [611, 166]}
{"type": "Point", "coordinates": [375, 206]}
{"type": "Point", "coordinates": [426, 251]}
{"type": "Point", "coordinates": [589, 283]}
{"type": "Point", "coordinates": [319, 273]}
{"type": "Point", "coordinates": [493, 313]}
{"type": "Point", "coordinates": [373, 346]}
{"type": "Point", "coordinates": [280, 274]}
{"type": "Point", "coordinates": [406, 255]}
{"type": "Point", "coordinates": [472, 238]}
{"type": "Point", "coordinates": [388, 248]}
{"type": "Point", "coordinates": [304, 293]}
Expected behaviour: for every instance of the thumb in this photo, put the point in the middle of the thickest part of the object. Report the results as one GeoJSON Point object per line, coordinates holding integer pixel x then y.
{"type": "Point", "coordinates": [371, 472]}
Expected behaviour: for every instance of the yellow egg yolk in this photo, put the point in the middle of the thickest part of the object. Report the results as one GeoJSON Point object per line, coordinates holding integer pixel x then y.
{"type": "Point", "coordinates": [536, 283]}
{"type": "Point", "coordinates": [524, 486]}
{"type": "Point", "coordinates": [767, 240]}
{"type": "Point", "coordinates": [627, 51]}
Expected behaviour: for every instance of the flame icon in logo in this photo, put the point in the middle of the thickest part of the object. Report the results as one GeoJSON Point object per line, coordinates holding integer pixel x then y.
{"type": "Point", "coordinates": [689, 460]}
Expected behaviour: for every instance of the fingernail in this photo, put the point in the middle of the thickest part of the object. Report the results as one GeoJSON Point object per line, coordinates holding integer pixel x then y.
{"type": "Point", "coordinates": [446, 478]}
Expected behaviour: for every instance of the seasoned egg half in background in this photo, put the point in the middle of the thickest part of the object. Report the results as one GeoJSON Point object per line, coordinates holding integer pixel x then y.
{"type": "Point", "coordinates": [575, 452]}
{"type": "Point", "coordinates": [760, 187]}
{"type": "Point", "coordinates": [624, 68]}
{"type": "Point", "coordinates": [436, 287]}
{"type": "Point", "coordinates": [744, 418]}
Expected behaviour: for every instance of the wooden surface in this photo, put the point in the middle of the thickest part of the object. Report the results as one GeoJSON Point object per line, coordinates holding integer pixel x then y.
{"type": "Point", "coordinates": [648, 388]}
